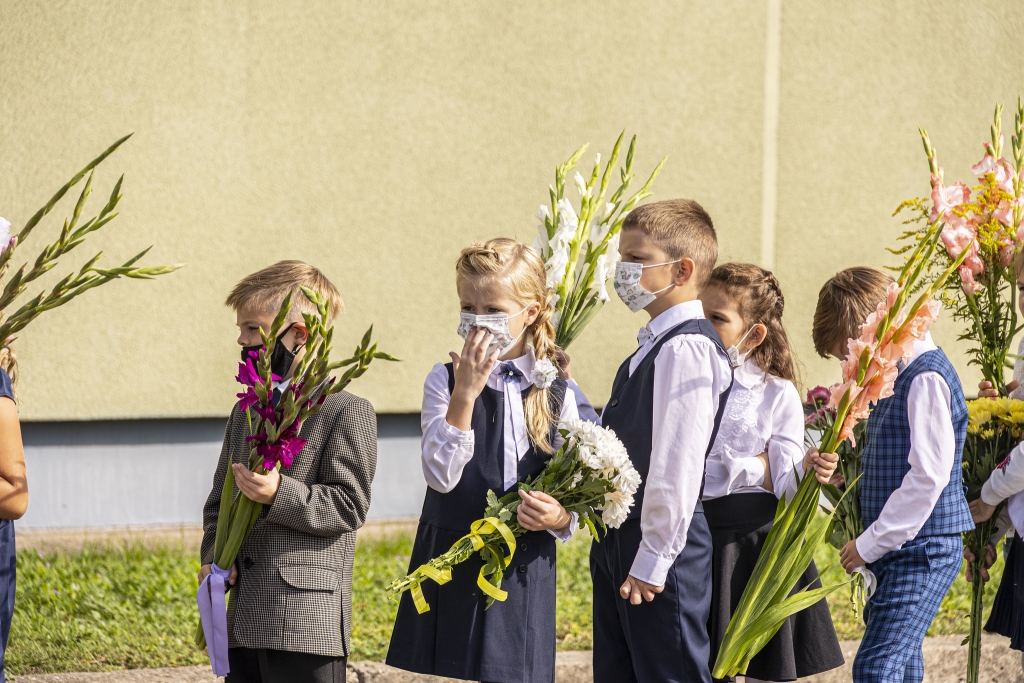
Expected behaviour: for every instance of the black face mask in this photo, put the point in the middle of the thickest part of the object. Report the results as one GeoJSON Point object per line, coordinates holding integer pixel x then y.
{"type": "Point", "coordinates": [280, 360]}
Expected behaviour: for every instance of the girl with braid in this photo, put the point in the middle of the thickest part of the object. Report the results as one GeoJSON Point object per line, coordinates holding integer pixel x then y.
{"type": "Point", "coordinates": [489, 421]}
{"type": "Point", "coordinates": [757, 457]}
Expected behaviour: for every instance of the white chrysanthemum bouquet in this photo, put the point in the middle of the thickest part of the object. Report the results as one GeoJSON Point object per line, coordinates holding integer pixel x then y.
{"type": "Point", "coordinates": [580, 248]}
{"type": "Point", "coordinates": [590, 475]}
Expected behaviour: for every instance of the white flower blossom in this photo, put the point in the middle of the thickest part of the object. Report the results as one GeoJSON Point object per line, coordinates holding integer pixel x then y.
{"type": "Point", "coordinates": [543, 213]}
{"type": "Point", "coordinates": [616, 508]}
{"type": "Point", "coordinates": [600, 283]}
{"type": "Point", "coordinates": [581, 185]}
{"type": "Point", "coordinates": [544, 373]}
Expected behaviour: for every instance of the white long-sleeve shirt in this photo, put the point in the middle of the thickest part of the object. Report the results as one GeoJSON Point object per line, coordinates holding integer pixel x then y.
{"type": "Point", "coordinates": [446, 450]}
{"type": "Point", "coordinates": [1007, 483]}
{"type": "Point", "coordinates": [763, 414]}
{"type": "Point", "coordinates": [689, 375]}
{"type": "Point", "coordinates": [932, 450]}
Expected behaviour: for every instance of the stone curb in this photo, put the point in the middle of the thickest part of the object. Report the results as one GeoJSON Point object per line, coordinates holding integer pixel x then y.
{"type": "Point", "coordinates": [945, 661]}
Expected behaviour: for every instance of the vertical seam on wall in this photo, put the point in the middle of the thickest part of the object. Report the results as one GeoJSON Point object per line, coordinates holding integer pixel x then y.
{"type": "Point", "coordinates": [770, 142]}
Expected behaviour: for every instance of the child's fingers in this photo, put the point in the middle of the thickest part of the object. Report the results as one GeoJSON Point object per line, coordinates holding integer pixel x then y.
{"type": "Point", "coordinates": [456, 360]}
{"type": "Point", "coordinates": [626, 589]}
{"type": "Point", "coordinates": [543, 497]}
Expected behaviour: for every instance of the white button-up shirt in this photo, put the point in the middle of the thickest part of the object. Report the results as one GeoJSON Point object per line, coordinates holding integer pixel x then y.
{"type": "Point", "coordinates": [690, 373]}
{"type": "Point", "coordinates": [763, 414]}
{"type": "Point", "coordinates": [446, 451]}
{"type": "Point", "coordinates": [932, 450]}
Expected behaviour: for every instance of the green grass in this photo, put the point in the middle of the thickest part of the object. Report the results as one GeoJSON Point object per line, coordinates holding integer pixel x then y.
{"type": "Point", "coordinates": [133, 607]}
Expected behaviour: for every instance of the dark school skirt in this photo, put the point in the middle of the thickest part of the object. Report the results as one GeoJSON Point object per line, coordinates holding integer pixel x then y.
{"type": "Point", "coordinates": [807, 643]}
{"type": "Point", "coordinates": [1007, 617]}
{"type": "Point", "coordinates": [511, 642]}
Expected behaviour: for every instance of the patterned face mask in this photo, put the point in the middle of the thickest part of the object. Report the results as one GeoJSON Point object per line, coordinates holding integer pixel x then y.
{"type": "Point", "coordinates": [496, 324]}
{"type": "Point", "coordinates": [627, 284]}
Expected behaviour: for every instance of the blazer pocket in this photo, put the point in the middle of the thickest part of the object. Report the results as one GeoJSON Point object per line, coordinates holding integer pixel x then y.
{"type": "Point", "coordinates": [309, 578]}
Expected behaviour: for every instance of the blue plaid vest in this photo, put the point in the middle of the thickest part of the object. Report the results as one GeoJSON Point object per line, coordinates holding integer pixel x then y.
{"type": "Point", "coordinates": [887, 447]}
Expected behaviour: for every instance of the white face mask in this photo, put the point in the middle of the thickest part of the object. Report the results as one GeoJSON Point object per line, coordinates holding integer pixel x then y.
{"type": "Point", "coordinates": [735, 357]}
{"type": "Point", "coordinates": [627, 284]}
{"type": "Point", "coordinates": [496, 324]}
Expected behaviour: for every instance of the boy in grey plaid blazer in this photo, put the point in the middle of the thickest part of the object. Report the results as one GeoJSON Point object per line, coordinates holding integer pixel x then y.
{"type": "Point", "coordinates": [289, 612]}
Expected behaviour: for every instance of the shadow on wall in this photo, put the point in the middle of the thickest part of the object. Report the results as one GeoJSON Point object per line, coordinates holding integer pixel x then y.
{"type": "Point", "coordinates": [158, 472]}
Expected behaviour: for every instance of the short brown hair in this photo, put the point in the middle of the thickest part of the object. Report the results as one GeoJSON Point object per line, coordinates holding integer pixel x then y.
{"type": "Point", "coordinates": [266, 289]}
{"type": "Point", "coordinates": [683, 229]}
{"type": "Point", "coordinates": [844, 303]}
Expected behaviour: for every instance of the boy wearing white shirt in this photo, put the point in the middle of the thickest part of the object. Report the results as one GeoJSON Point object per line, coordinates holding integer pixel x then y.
{"type": "Point", "coordinates": [911, 491]}
{"type": "Point", "coordinates": [652, 576]}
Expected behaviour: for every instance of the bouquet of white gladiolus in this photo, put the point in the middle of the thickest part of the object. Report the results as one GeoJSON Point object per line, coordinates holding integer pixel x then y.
{"type": "Point", "coordinates": [580, 248]}
{"type": "Point", "coordinates": [590, 475]}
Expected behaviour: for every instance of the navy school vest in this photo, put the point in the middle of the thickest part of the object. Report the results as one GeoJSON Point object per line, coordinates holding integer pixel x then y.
{"type": "Point", "coordinates": [630, 409]}
{"type": "Point", "coordinates": [887, 448]}
{"type": "Point", "coordinates": [466, 503]}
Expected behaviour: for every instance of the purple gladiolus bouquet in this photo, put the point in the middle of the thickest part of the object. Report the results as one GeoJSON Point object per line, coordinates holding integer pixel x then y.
{"type": "Point", "coordinates": [274, 442]}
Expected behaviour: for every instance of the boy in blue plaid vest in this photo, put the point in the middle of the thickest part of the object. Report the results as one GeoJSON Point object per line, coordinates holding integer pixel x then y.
{"type": "Point", "coordinates": [911, 492]}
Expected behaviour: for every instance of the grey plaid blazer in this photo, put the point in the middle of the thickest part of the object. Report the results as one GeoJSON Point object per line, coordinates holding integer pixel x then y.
{"type": "Point", "coordinates": [294, 588]}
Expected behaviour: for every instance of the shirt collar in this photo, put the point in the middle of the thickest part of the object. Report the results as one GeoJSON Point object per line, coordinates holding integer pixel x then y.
{"type": "Point", "coordinates": [524, 363]}
{"type": "Point", "coordinates": [676, 315]}
{"type": "Point", "coordinates": [921, 346]}
{"type": "Point", "coordinates": [750, 374]}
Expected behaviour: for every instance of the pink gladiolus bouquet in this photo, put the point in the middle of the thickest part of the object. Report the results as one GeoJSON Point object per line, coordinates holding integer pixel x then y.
{"type": "Point", "coordinates": [275, 425]}
{"type": "Point", "coordinates": [981, 226]}
{"type": "Point", "coordinates": [886, 338]}
{"type": "Point", "coordinates": [985, 222]}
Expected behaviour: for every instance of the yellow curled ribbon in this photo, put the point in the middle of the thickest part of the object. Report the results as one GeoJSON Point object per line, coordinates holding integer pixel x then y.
{"type": "Point", "coordinates": [425, 571]}
{"type": "Point", "coordinates": [486, 526]}
{"type": "Point", "coordinates": [477, 531]}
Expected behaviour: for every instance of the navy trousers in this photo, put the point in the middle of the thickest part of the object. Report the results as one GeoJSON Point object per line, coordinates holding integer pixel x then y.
{"type": "Point", "coordinates": [8, 571]}
{"type": "Point", "coordinates": [911, 584]}
{"type": "Point", "coordinates": [662, 641]}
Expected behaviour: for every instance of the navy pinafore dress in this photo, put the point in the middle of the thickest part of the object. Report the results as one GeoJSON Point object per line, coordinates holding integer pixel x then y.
{"type": "Point", "coordinates": [512, 641]}
{"type": "Point", "coordinates": [8, 565]}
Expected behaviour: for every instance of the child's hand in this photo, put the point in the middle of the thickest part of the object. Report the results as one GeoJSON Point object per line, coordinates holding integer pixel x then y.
{"type": "Point", "coordinates": [767, 484]}
{"type": "Point", "coordinates": [472, 369]}
{"type": "Point", "coordinates": [259, 488]}
{"type": "Point", "coordinates": [634, 590]}
{"type": "Point", "coordinates": [990, 559]}
{"type": "Point", "coordinates": [824, 464]}
{"type": "Point", "coordinates": [207, 569]}
{"type": "Point", "coordinates": [541, 512]}
{"type": "Point", "coordinates": [986, 390]}
{"type": "Point", "coordinates": [562, 361]}
{"type": "Point", "coordinates": [850, 557]}
{"type": "Point", "coordinates": [981, 511]}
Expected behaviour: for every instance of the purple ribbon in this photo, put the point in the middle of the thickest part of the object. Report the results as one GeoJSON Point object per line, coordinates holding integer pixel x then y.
{"type": "Point", "coordinates": [214, 616]}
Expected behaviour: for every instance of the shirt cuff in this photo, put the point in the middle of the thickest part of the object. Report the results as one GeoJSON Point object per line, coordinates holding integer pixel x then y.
{"type": "Point", "coordinates": [456, 435]}
{"type": "Point", "coordinates": [565, 535]}
{"type": "Point", "coordinates": [867, 548]}
{"type": "Point", "coordinates": [988, 495]}
{"type": "Point", "coordinates": [651, 567]}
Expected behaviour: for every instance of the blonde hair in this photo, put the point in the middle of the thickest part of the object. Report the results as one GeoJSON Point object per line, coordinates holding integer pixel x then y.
{"type": "Point", "coordinates": [844, 303]}
{"type": "Point", "coordinates": [520, 271]}
{"type": "Point", "coordinates": [266, 289]}
{"type": "Point", "coordinates": [683, 229]}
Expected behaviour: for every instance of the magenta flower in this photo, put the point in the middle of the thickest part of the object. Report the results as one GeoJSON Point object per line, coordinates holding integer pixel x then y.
{"type": "Point", "coordinates": [248, 375]}
{"type": "Point", "coordinates": [247, 399]}
{"type": "Point", "coordinates": [817, 394]}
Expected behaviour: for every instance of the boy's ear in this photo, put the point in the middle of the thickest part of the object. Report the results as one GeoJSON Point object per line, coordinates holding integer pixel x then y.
{"type": "Point", "coordinates": [684, 271]}
{"type": "Point", "coordinates": [301, 333]}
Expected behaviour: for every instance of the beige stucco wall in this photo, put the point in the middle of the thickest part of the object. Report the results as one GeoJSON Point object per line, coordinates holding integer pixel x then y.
{"type": "Point", "coordinates": [377, 139]}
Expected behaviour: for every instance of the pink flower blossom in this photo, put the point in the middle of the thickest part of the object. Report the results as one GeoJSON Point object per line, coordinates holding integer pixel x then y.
{"type": "Point", "coordinates": [817, 394]}
{"type": "Point", "coordinates": [856, 350]}
{"type": "Point", "coordinates": [247, 399]}
{"type": "Point", "coordinates": [945, 198]}
{"type": "Point", "coordinates": [248, 375]}
{"type": "Point", "coordinates": [987, 163]}
{"type": "Point", "coordinates": [970, 286]}
{"type": "Point", "coordinates": [915, 329]}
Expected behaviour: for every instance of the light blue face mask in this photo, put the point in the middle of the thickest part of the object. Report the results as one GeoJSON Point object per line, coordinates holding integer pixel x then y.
{"type": "Point", "coordinates": [627, 284]}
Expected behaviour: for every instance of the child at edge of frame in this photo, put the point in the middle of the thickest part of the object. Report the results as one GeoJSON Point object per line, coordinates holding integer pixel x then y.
{"type": "Point", "coordinates": [490, 420]}
{"type": "Point", "coordinates": [652, 577]}
{"type": "Point", "coordinates": [289, 614]}
{"type": "Point", "coordinates": [911, 491]}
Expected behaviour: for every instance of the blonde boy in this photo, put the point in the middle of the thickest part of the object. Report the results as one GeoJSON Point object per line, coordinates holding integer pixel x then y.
{"type": "Point", "coordinates": [290, 606]}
